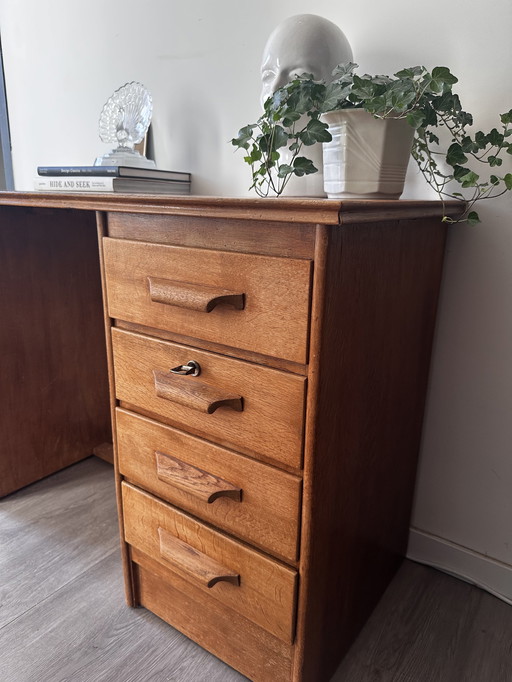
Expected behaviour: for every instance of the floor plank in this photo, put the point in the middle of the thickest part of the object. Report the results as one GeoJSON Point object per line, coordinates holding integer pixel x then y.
{"type": "Point", "coordinates": [85, 633]}
{"type": "Point", "coordinates": [53, 531]}
{"type": "Point", "coordinates": [63, 617]}
{"type": "Point", "coordinates": [431, 627]}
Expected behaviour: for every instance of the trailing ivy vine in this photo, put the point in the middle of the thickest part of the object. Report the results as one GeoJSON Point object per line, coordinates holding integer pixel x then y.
{"type": "Point", "coordinates": [291, 121]}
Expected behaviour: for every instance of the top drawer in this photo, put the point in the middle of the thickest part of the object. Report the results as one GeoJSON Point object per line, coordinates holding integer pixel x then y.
{"type": "Point", "coordinates": [256, 303]}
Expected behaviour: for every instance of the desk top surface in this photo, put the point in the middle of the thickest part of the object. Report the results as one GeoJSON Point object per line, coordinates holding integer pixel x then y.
{"type": "Point", "coordinates": [296, 209]}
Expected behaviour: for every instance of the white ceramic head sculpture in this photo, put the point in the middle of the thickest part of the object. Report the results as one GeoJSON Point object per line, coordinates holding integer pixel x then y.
{"type": "Point", "coordinates": [304, 43]}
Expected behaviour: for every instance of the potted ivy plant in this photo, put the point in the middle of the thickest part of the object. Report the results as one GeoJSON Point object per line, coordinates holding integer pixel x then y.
{"type": "Point", "coordinates": [446, 151]}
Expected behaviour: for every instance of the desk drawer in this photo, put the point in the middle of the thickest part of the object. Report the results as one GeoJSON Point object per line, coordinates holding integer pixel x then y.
{"type": "Point", "coordinates": [256, 303]}
{"type": "Point", "coordinates": [253, 409]}
{"type": "Point", "coordinates": [242, 579]}
{"type": "Point", "coordinates": [254, 501]}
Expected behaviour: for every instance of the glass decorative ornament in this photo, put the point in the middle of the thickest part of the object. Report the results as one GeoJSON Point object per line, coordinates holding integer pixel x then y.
{"type": "Point", "coordinates": [124, 121]}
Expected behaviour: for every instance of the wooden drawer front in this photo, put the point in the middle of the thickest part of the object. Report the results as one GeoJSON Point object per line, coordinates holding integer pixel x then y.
{"type": "Point", "coordinates": [270, 423]}
{"type": "Point", "coordinates": [242, 579]}
{"type": "Point", "coordinates": [172, 287]}
{"type": "Point", "coordinates": [251, 500]}
{"type": "Point", "coordinates": [234, 639]}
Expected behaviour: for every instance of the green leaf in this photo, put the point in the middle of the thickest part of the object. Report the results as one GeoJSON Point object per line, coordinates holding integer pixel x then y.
{"type": "Point", "coordinates": [289, 117]}
{"type": "Point", "coordinates": [303, 166]}
{"type": "Point", "coordinates": [346, 69]}
{"type": "Point", "coordinates": [335, 94]}
{"type": "Point", "coordinates": [244, 136]}
{"type": "Point", "coordinates": [481, 140]}
{"type": "Point", "coordinates": [432, 138]}
{"type": "Point", "coordinates": [508, 181]}
{"type": "Point", "coordinates": [412, 72]}
{"type": "Point", "coordinates": [494, 161]}
{"type": "Point", "coordinates": [284, 170]}
{"type": "Point", "coordinates": [280, 137]}
{"type": "Point", "coordinates": [455, 156]}
{"type": "Point", "coordinates": [495, 138]}
{"type": "Point", "coordinates": [507, 117]}
{"type": "Point", "coordinates": [363, 88]}
{"type": "Point", "coordinates": [468, 145]}
{"type": "Point", "coordinates": [444, 75]}
{"type": "Point", "coordinates": [315, 131]}
{"type": "Point", "coordinates": [473, 218]}
{"type": "Point", "coordinates": [415, 119]}
{"type": "Point", "coordinates": [469, 180]}
{"type": "Point", "coordinates": [494, 180]}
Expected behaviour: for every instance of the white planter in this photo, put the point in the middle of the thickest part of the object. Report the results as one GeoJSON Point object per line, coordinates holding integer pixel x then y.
{"type": "Point", "coordinates": [367, 157]}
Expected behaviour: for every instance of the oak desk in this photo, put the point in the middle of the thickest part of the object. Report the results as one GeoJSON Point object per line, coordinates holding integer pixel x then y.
{"type": "Point", "coordinates": [268, 364]}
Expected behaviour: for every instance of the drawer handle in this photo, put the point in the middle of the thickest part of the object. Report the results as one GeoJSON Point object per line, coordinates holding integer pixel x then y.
{"type": "Point", "coordinates": [192, 296]}
{"type": "Point", "coordinates": [197, 482]}
{"type": "Point", "coordinates": [193, 563]}
{"type": "Point", "coordinates": [194, 394]}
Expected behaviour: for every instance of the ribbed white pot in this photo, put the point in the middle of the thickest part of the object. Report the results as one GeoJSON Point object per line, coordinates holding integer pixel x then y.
{"type": "Point", "coordinates": [367, 157]}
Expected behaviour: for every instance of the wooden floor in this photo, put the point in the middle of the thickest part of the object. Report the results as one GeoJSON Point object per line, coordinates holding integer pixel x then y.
{"type": "Point", "coordinates": [63, 618]}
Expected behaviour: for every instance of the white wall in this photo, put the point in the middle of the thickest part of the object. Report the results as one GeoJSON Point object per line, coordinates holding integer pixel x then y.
{"type": "Point", "coordinates": [64, 58]}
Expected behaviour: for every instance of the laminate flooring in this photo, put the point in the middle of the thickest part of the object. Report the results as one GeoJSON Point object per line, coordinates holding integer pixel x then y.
{"type": "Point", "coordinates": [63, 616]}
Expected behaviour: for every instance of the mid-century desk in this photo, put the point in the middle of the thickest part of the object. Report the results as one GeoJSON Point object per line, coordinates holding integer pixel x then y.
{"type": "Point", "coordinates": [268, 364]}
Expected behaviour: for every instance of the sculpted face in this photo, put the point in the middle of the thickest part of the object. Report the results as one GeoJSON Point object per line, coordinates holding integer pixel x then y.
{"type": "Point", "coordinates": [302, 44]}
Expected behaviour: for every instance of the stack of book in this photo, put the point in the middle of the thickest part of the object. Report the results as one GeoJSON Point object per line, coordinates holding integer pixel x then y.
{"type": "Point", "coordinates": [99, 179]}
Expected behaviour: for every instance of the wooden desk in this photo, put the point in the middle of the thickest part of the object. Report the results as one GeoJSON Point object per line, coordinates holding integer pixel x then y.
{"type": "Point", "coordinates": [264, 504]}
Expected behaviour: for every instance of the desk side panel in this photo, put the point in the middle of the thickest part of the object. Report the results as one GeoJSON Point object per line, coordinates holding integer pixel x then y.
{"type": "Point", "coordinates": [376, 329]}
{"type": "Point", "coordinates": [53, 378]}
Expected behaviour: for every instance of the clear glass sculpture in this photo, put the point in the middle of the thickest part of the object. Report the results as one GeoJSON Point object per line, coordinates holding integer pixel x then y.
{"type": "Point", "coordinates": [124, 121]}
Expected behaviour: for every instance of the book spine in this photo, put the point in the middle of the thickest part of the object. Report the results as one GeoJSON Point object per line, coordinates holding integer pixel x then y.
{"type": "Point", "coordinates": [110, 171]}
{"type": "Point", "coordinates": [74, 184]}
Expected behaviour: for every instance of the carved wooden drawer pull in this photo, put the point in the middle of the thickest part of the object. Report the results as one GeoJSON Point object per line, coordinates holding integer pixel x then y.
{"type": "Point", "coordinates": [197, 482]}
{"type": "Point", "coordinates": [190, 392]}
{"type": "Point", "coordinates": [193, 563]}
{"type": "Point", "coordinates": [192, 296]}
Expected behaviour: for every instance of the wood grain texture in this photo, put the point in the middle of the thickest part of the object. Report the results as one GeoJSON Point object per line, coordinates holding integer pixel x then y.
{"type": "Point", "coordinates": [266, 594]}
{"type": "Point", "coordinates": [293, 210]}
{"type": "Point", "coordinates": [193, 564]}
{"type": "Point", "coordinates": [53, 385]}
{"type": "Point", "coordinates": [193, 480]}
{"type": "Point", "coordinates": [374, 348]}
{"type": "Point", "coordinates": [223, 349]}
{"type": "Point", "coordinates": [271, 423]}
{"type": "Point", "coordinates": [194, 394]}
{"type": "Point", "coordinates": [101, 224]}
{"type": "Point", "coordinates": [264, 237]}
{"type": "Point", "coordinates": [274, 320]}
{"type": "Point", "coordinates": [104, 451]}
{"type": "Point", "coordinates": [268, 514]}
{"type": "Point", "coordinates": [247, 647]}
{"type": "Point", "coordinates": [192, 296]}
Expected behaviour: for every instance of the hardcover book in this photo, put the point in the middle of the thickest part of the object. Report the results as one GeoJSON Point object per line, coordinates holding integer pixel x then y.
{"type": "Point", "coordinates": [109, 184]}
{"type": "Point", "coordinates": [114, 171]}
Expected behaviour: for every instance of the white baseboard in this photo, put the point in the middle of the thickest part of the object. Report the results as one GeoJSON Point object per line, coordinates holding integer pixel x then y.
{"type": "Point", "coordinates": [489, 574]}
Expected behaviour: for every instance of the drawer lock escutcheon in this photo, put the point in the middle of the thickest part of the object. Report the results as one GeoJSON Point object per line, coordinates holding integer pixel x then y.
{"type": "Point", "coordinates": [192, 368]}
